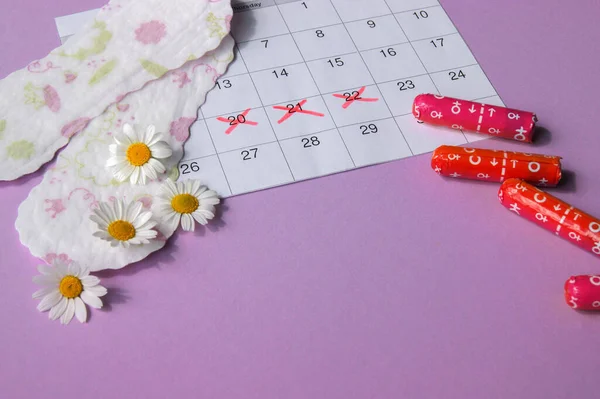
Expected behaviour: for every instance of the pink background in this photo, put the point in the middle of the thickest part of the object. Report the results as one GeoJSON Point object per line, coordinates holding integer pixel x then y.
{"type": "Point", "coordinates": [387, 282]}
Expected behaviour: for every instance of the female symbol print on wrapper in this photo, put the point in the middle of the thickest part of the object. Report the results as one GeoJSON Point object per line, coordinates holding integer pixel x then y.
{"type": "Point", "coordinates": [475, 117]}
{"type": "Point", "coordinates": [583, 292]}
{"type": "Point", "coordinates": [82, 183]}
{"type": "Point", "coordinates": [128, 45]}
{"type": "Point", "coordinates": [496, 166]}
{"type": "Point", "coordinates": [552, 214]}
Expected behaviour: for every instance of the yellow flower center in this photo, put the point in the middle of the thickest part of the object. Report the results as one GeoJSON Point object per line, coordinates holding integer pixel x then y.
{"type": "Point", "coordinates": [121, 230]}
{"type": "Point", "coordinates": [70, 287]}
{"type": "Point", "coordinates": [184, 203]}
{"type": "Point", "coordinates": [138, 154]}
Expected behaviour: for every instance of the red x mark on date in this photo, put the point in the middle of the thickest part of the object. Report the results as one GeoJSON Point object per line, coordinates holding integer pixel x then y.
{"type": "Point", "coordinates": [235, 121]}
{"type": "Point", "coordinates": [356, 95]}
{"type": "Point", "coordinates": [292, 109]}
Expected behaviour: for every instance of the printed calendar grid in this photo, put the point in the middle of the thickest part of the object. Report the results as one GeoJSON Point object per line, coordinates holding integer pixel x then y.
{"type": "Point", "coordinates": [347, 22]}
{"type": "Point", "coordinates": [261, 136]}
{"type": "Point", "coordinates": [393, 114]}
{"type": "Point", "coordinates": [270, 123]}
{"type": "Point", "coordinates": [483, 99]}
{"type": "Point", "coordinates": [333, 92]}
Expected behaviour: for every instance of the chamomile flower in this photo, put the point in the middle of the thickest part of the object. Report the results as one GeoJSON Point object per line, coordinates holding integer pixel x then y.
{"type": "Point", "coordinates": [186, 201]}
{"type": "Point", "coordinates": [123, 224]}
{"type": "Point", "coordinates": [135, 156]}
{"type": "Point", "coordinates": [65, 291]}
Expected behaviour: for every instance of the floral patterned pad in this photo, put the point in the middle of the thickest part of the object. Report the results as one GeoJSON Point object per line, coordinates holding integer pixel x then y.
{"type": "Point", "coordinates": [54, 221]}
{"type": "Point", "coordinates": [129, 44]}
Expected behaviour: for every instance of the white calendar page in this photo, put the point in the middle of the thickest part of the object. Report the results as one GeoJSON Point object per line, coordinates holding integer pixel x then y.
{"type": "Point", "coordinates": [324, 86]}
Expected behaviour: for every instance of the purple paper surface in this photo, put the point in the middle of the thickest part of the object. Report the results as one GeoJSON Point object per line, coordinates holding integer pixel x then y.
{"type": "Point", "coordinates": [385, 282]}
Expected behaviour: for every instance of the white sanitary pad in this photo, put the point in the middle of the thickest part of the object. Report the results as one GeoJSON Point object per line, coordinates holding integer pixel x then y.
{"type": "Point", "coordinates": [54, 220]}
{"type": "Point", "coordinates": [138, 64]}
{"type": "Point", "coordinates": [130, 43]}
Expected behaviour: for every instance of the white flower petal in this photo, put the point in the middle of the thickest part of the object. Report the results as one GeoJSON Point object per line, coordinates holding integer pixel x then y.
{"type": "Point", "coordinates": [121, 140]}
{"type": "Point", "coordinates": [58, 309]}
{"type": "Point", "coordinates": [103, 224]}
{"type": "Point", "coordinates": [150, 132]}
{"type": "Point", "coordinates": [91, 299]}
{"type": "Point", "coordinates": [195, 188]}
{"type": "Point", "coordinates": [166, 208]}
{"type": "Point", "coordinates": [119, 209]}
{"type": "Point", "coordinates": [69, 312]}
{"type": "Point", "coordinates": [121, 151]}
{"type": "Point", "coordinates": [118, 161]}
{"type": "Point", "coordinates": [135, 176]}
{"type": "Point", "coordinates": [124, 173]}
{"type": "Point", "coordinates": [147, 226]}
{"type": "Point", "coordinates": [142, 178]}
{"type": "Point", "coordinates": [187, 222]}
{"type": "Point", "coordinates": [150, 171]}
{"type": "Point", "coordinates": [140, 136]}
{"type": "Point", "coordinates": [46, 280]}
{"type": "Point", "coordinates": [42, 292]}
{"type": "Point", "coordinates": [137, 240]}
{"type": "Point", "coordinates": [209, 203]}
{"type": "Point", "coordinates": [128, 130]}
{"type": "Point", "coordinates": [157, 165]}
{"type": "Point", "coordinates": [169, 188]}
{"type": "Point", "coordinates": [90, 281]}
{"type": "Point", "coordinates": [61, 269]}
{"type": "Point", "coordinates": [147, 234]}
{"type": "Point", "coordinates": [46, 270]}
{"type": "Point", "coordinates": [96, 290]}
{"type": "Point", "coordinates": [157, 137]}
{"type": "Point", "coordinates": [80, 310]}
{"type": "Point", "coordinates": [161, 150]}
{"type": "Point", "coordinates": [207, 208]}
{"type": "Point", "coordinates": [103, 235]}
{"type": "Point", "coordinates": [200, 218]}
{"type": "Point", "coordinates": [99, 212]}
{"type": "Point", "coordinates": [142, 219]}
{"type": "Point", "coordinates": [173, 221]}
{"type": "Point", "coordinates": [208, 194]}
{"type": "Point", "coordinates": [203, 215]}
{"type": "Point", "coordinates": [84, 272]}
{"type": "Point", "coordinates": [73, 269]}
{"type": "Point", "coordinates": [185, 187]}
{"type": "Point", "coordinates": [133, 210]}
{"type": "Point", "coordinates": [49, 301]}
{"type": "Point", "coordinates": [108, 211]}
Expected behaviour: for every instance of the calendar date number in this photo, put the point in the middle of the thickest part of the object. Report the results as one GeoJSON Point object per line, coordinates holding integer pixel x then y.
{"type": "Point", "coordinates": [405, 85]}
{"type": "Point", "coordinates": [310, 142]}
{"type": "Point", "coordinates": [439, 42]}
{"type": "Point", "coordinates": [371, 128]}
{"type": "Point", "coordinates": [249, 154]}
{"type": "Point", "coordinates": [187, 168]}
{"type": "Point", "coordinates": [337, 62]}
{"type": "Point", "coordinates": [456, 75]}
{"type": "Point", "coordinates": [282, 73]}
{"type": "Point", "coordinates": [355, 95]}
{"type": "Point", "coordinates": [224, 84]}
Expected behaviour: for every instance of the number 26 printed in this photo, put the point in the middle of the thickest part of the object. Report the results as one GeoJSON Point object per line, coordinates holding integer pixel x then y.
{"type": "Point", "coordinates": [189, 168]}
